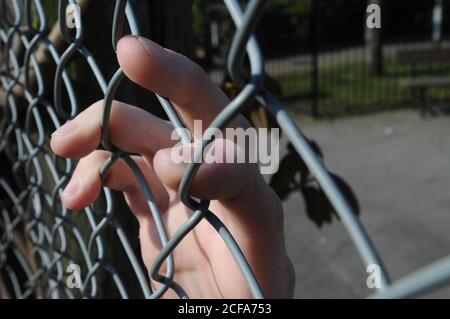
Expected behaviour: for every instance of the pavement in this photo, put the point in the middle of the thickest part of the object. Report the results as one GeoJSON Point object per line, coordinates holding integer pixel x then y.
{"type": "Point", "coordinates": [398, 164]}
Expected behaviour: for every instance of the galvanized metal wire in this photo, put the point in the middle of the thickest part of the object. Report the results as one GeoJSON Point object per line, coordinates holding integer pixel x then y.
{"type": "Point", "coordinates": [40, 237]}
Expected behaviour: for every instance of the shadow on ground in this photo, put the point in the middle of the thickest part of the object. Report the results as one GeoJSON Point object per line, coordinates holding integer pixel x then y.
{"type": "Point", "coordinates": [398, 165]}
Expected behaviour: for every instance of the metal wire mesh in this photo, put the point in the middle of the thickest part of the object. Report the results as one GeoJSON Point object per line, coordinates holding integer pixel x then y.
{"type": "Point", "coordinates": [40, 237]}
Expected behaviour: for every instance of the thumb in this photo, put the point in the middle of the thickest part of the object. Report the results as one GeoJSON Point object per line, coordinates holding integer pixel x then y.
{"type": "Point", "coordinates": [223, 174]}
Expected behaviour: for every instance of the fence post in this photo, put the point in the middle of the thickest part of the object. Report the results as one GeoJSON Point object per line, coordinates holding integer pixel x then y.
{"type": "Point", "coordinates": [374, 44]}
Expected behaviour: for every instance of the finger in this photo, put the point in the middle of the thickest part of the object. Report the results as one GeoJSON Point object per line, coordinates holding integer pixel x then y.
{"type": "Point", "coordinates": [130, 129]}
{"type": "Point", "coordinates": [174, 76]}
{"type": "Point", "coordinates": [236, 186]}
{"type": "Point", "coordinates": [224, 174]}
{"type": "Point", "coordinates": [86, 184]}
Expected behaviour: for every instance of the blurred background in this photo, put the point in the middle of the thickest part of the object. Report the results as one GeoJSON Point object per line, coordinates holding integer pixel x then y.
{"type": "Point", "coordinates": [375, 103]}
{"type": "Point", "coordinates": [325, 58]}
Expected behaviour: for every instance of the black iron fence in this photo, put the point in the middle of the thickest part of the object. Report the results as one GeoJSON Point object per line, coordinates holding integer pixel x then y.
{"type": "Point", "coordinates": [319, 55]}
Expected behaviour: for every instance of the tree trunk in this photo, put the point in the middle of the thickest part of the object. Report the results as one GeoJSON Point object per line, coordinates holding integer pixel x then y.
{"type": "Point", "coordinates": [374, 46]}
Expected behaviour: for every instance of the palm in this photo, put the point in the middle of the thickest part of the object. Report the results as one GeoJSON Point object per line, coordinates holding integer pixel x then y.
{"type": "Point", "coordinates": [203, 264]}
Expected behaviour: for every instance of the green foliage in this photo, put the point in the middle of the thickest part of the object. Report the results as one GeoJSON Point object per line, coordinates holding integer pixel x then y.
{"type": "Point", "coordinates": [351, 89]}
{"type": "Point", "coordinates": [294, 14]}
{"type": "Point", "coordinates": [198, 18]}
{"type": "Point", "coordinates": [291, 6]}
{"type": "Point", "coordinates": [51, 13]}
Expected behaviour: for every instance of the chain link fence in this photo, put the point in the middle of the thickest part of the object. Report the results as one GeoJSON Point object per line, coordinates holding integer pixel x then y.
{"type": "Point", "coordinates": [41, 240]}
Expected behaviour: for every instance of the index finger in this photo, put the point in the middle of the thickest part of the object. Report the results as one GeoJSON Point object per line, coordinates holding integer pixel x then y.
{"type": "Point", "coordinates": [175, 77]}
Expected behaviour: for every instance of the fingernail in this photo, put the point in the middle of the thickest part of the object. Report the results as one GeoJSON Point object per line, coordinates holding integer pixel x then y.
{"type": "Point", "coordinates": [153, 49]}
{"type": "Point", "coordinates": [145, 44]}
{"type": "Point", "coordinates": [68, 127]}
{"type": "Point", "coordinates": [71, 188]}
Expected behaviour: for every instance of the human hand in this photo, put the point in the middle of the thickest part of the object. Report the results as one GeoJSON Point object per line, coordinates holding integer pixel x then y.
{"type": "Point", "coordinates": [239, 196]}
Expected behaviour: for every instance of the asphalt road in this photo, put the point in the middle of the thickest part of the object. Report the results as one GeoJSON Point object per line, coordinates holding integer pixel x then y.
{"type": "Point", "coordinates": [399, 167]}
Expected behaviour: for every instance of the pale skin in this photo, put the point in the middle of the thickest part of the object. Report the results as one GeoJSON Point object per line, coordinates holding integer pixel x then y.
{"type": "Point", "coordinates": [239, 195]}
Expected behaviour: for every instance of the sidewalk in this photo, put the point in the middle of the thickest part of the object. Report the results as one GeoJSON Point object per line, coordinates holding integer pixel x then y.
{"type": "Point", "coordinates": [399, 167]}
